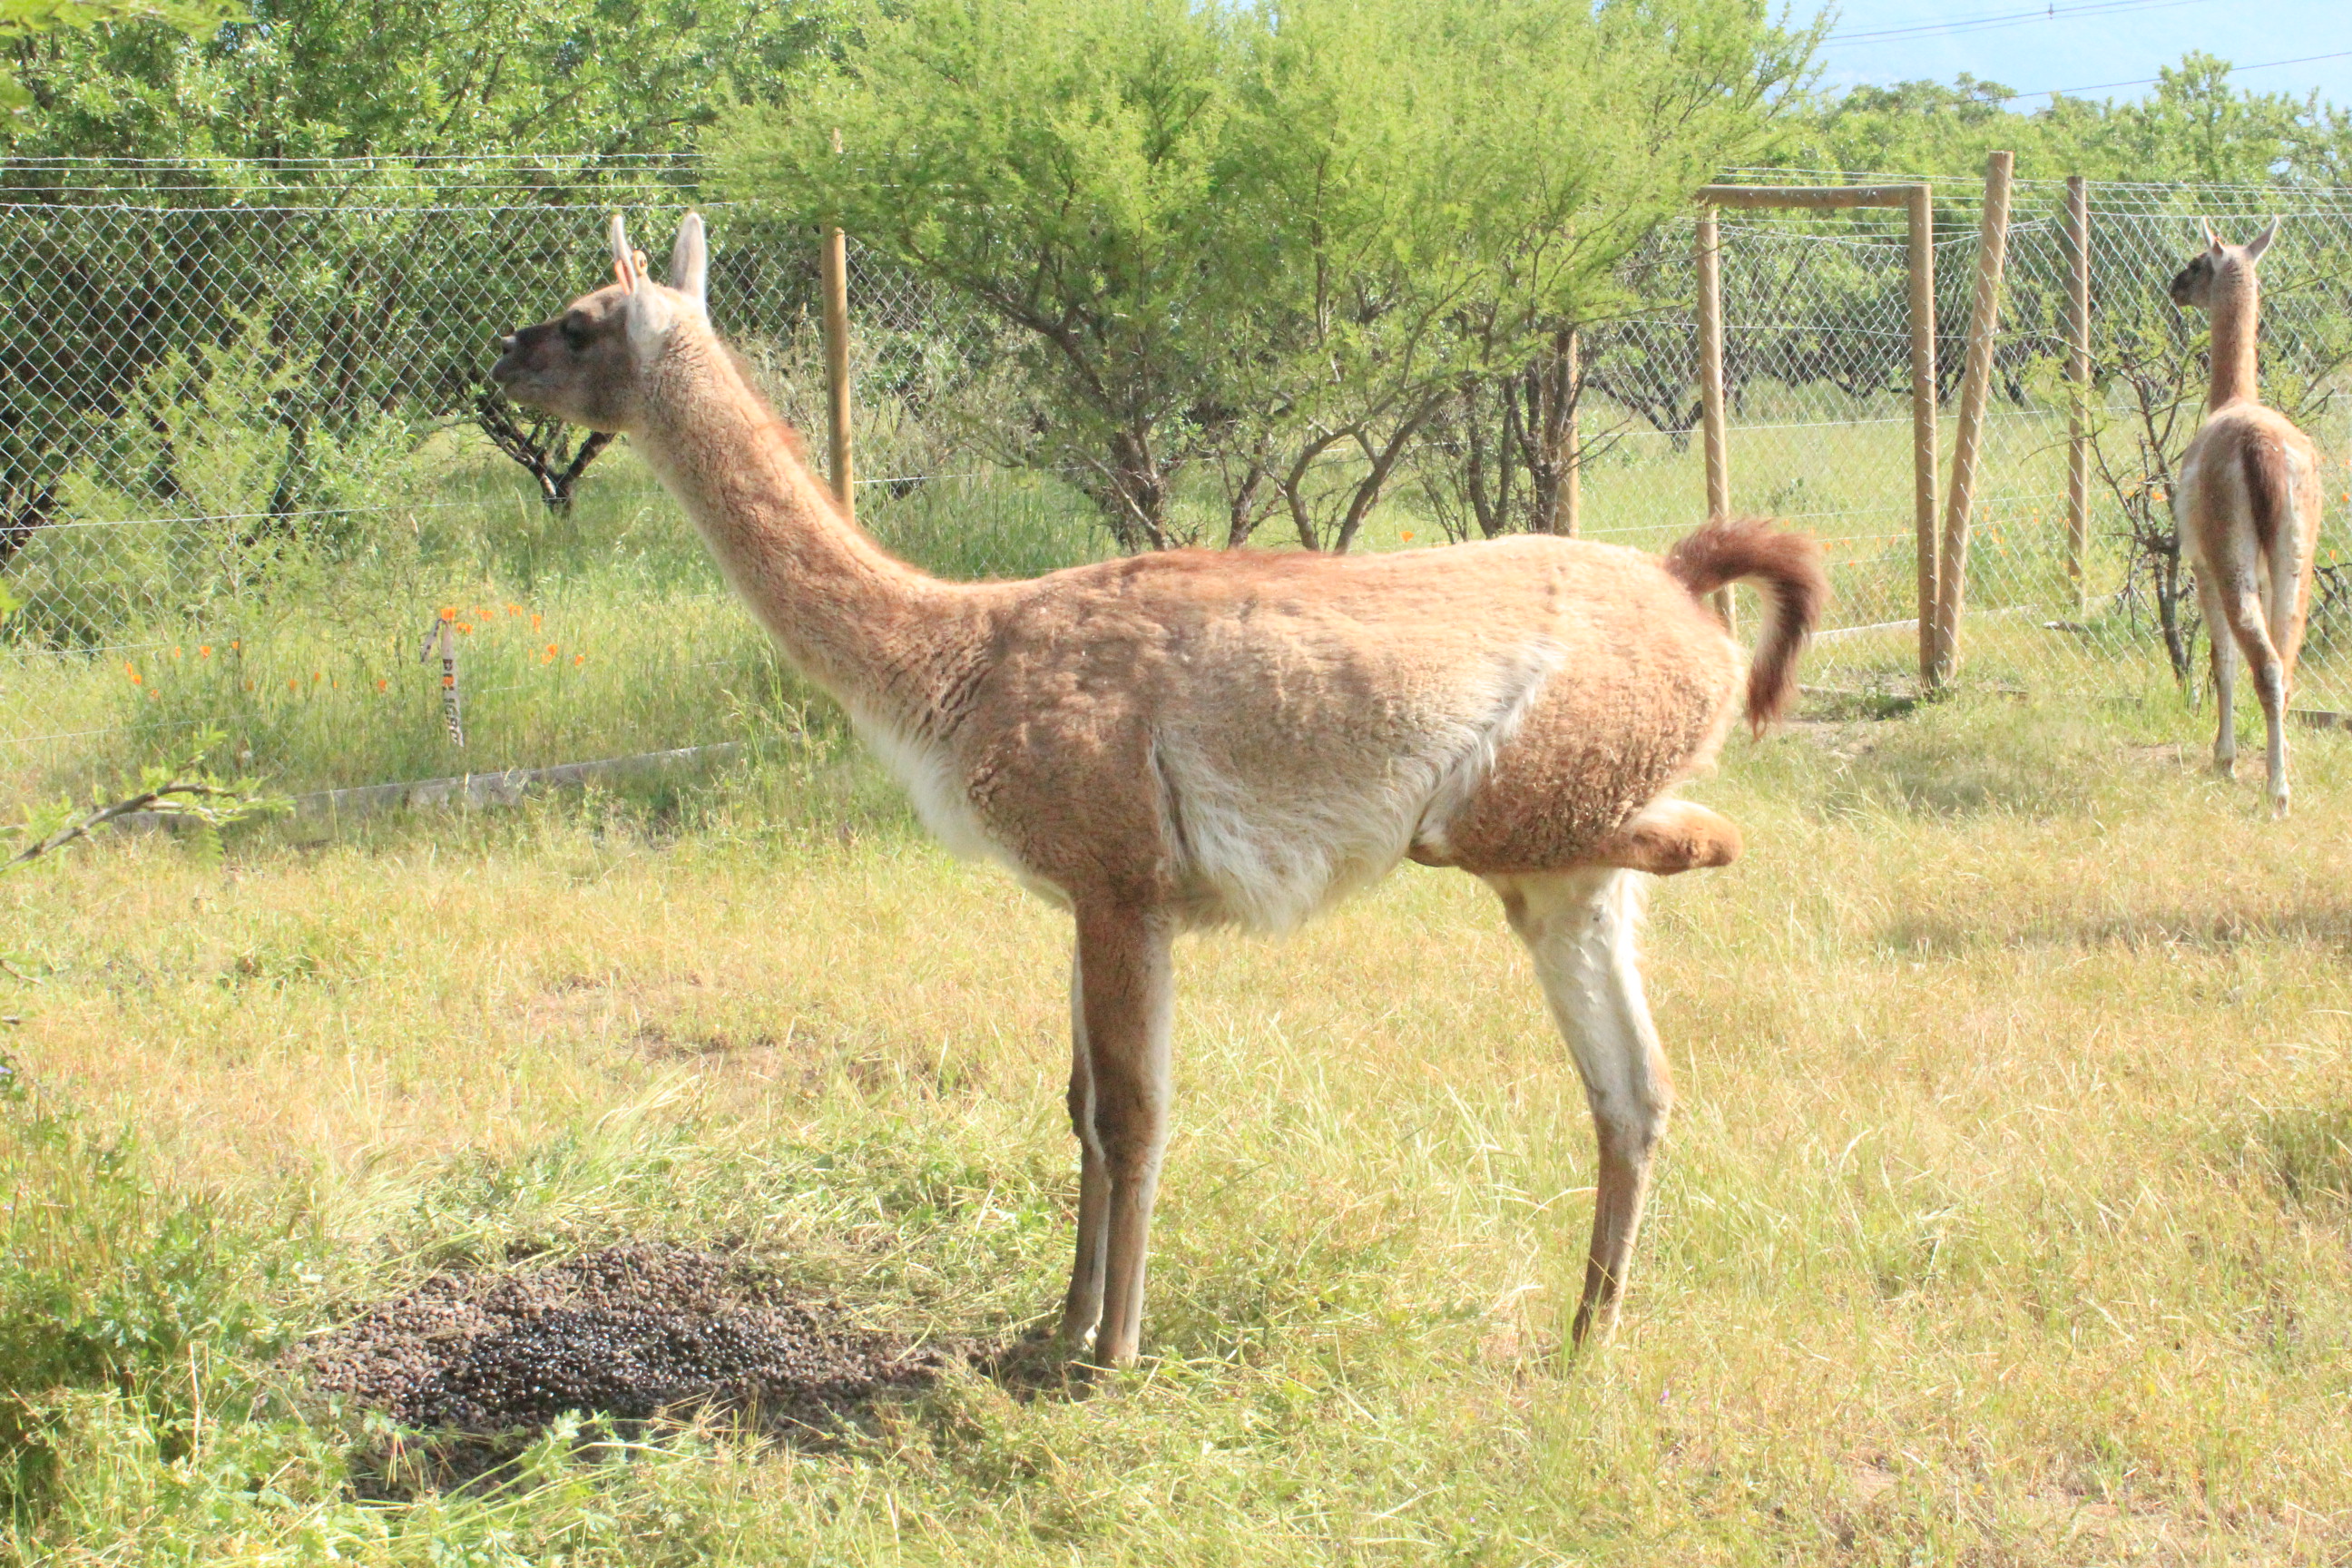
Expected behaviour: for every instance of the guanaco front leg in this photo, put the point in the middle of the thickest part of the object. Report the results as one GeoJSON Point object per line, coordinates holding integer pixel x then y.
{"type": "Point", "coordinates": [1125, 979]}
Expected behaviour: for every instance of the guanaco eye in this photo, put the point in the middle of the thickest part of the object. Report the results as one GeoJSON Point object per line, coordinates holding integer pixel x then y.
{"type": "Point", "coordinates": [575, 336]}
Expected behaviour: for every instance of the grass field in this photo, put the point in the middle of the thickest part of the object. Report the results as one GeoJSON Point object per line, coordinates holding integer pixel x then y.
{"type": "Point", "coordinates": [2006, 1218]}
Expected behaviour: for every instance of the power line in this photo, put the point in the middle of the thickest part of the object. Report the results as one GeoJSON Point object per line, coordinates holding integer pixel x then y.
{"type": "Point", "coordinates": [2151, 81]}
{"type": "Point", "coordinates": [2006, 19]}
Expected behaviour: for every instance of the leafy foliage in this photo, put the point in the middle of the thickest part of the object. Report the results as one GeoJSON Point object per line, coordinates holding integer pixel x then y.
{"type": "Point", "coordinates": [183, 789]}
{"type": "Point", "coordinates": [26, 18]}
{"type": "Point", "coordinates": [1271, 247]}
{"type": "Point", "coordinates": [106, 1283]}
{"type": "Point", "coordinates": [313, 78]}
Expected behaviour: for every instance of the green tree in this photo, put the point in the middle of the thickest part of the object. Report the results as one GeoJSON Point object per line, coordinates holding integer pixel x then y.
{"type": "Point", "coordinates": [1274, 239]}
{"type": "Point", "coordinates": [2196, 126]}
{"type": "Point", "coordinates": [1065, 165]}
{"type": "Point", "coordinates": [317, 79]}
{"type": "Point", "coordinates": [1453, 183]}
{"type": "Point", "coordinates": [242, 116]}
{"type": "Point", "coordinates": [25, 19]}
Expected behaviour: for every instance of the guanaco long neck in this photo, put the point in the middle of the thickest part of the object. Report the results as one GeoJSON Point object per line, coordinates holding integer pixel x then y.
{"type": "Point", "coordinates": [2235, 308]}
{"type": "Point", "coordinates": [871, 630]}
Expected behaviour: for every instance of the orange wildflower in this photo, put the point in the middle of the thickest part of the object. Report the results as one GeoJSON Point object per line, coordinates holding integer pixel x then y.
{"type": "Point", "coordinates": [204, 651]}
{"type": "Point", "coordinates": [449, 613]}
{"type": "Point", "coordinates": [1408, 536]}
{"type": "Point", "coordinates": [380, 684]}
{"type": "Point", "coordinates": [534, 620]}
{"type": "Point", "coordinates": [131, 670]}
{"type": "Point", "coordinates": [579, 658]}
{"type": "Point", "coordinates": [466, 627]}
{"type": "Point", "coordinates": [514, 609]}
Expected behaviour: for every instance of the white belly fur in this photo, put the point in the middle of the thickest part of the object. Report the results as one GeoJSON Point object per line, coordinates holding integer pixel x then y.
{"type": "Point", "coordinates": [1266, 854]}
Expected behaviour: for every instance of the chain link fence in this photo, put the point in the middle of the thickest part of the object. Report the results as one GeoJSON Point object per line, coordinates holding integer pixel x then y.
{"type": "Point", "coordinates": [248, 462]}
{"type": "Point", "coordinates": [249, 465]}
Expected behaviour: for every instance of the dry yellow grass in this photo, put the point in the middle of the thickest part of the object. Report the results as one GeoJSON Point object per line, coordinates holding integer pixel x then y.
{"type": "Point", "coordinates": [2006, 1218]}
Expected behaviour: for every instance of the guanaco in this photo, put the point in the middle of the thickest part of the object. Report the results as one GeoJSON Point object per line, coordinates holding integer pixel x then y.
{"type": "Point", "coordinates": [1201, 738]}
{"type": "Point", "coordinates": [2247, 504]}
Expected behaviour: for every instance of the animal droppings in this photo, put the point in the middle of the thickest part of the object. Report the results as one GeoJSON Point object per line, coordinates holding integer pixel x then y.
{"type": "Point", "coordinates": [631, 1332]}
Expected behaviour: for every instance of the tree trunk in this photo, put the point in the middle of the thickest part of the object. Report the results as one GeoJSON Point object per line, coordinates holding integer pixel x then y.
{"type": "Point", "coordinates": [1367, 489]}
{"type": "Point", "coordinates": [1242, 512]}
{"type": "Point", "coordinates": [1133, 495]}
{"type": "Point", "coordinates": [1491, 506]}
{"type": "Point", "coordinates": [542, 447]}
{"type": "Point", "coordinates": [1552, 387]}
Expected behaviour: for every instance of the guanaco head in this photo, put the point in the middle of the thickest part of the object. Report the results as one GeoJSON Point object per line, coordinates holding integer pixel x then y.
{"type": "Point", "coordinates": [589, 364]}
{"type": "Point", "coordinates": [2193, 284]}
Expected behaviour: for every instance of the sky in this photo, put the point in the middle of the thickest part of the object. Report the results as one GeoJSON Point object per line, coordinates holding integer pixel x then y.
{"type": "Point", "coordinates": [2079, 47]}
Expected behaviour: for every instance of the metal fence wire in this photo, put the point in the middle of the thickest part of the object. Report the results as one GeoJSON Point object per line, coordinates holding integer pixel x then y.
{"type": "Point", "coordinates": [247, 455]}
{"type": "Point", "coordinates": [1816, 370]}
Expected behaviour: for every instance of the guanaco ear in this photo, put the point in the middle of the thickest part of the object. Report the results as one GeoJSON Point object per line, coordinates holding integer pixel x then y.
{"type": "Point", "coordinates": [2262, 242]}
{"type": "Point", "coordinates": [689, 262]}
{"type": "Point", "coordinates": [2210, 237]}
{"type": "Point", "coordinates": [625, 271]}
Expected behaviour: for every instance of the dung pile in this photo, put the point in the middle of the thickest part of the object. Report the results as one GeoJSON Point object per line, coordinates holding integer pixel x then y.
{"type": "Point", "coordinates": [629, 1331]}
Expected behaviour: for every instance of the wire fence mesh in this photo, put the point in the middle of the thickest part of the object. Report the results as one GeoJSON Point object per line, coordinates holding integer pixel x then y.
{"type": "Point", "coordinates": [248, 461]}
{"type": "Point", "coordinates": [1816, 323]}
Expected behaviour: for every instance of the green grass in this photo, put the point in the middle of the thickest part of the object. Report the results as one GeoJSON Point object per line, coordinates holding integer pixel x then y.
{"type": "Point", "coordinates": [603, 633]}
{"type": "Point", "coordinates": [2004, 1219]}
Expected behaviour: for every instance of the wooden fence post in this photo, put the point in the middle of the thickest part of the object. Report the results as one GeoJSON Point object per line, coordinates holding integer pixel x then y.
{"type": "Point", "coordinates": [1984, 319]}
{"type": "Point", "coordinates": [1710, 386]}
{"type": "Point", "coordinates": [1924, 456]}
{"type": "Point", "coordinates": [2078, 373]}
{"type": "Point", "coordinates": [1567, 484]}
{"type": "Point", "coordinates": [833, 270]}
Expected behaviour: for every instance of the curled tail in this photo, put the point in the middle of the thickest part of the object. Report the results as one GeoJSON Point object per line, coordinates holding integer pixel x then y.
{"type": "Point", "coordinates": [1788, 568]}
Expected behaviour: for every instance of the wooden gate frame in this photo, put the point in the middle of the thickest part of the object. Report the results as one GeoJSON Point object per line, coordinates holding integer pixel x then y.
{"type": "Point", "coordinates": [1942, 555]}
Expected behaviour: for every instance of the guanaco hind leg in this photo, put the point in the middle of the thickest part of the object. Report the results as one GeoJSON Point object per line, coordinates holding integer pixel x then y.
{"type": "Point", "coordinates": [1670, 836]}
{"type": "Point", "coordinates": [2238, 606]}
{"type": "Point", "coordinates": [1580, 926]}
{"type": "Point", "coordinates": [2225, 650]}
